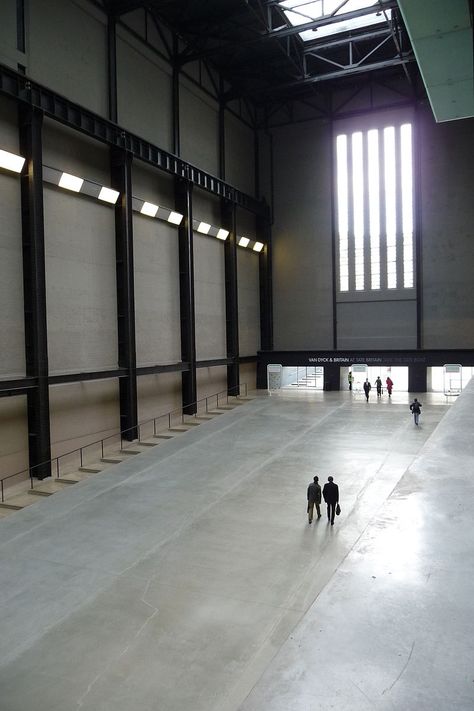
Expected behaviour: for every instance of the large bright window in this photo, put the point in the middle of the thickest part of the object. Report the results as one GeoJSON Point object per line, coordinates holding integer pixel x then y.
{"type": "Point", "coordinates": [374, 173]}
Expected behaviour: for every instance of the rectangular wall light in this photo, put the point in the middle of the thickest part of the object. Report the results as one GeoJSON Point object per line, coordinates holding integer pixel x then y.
{"type": "Point", "coordinates": [70, 182]}
{"type": "Point", "coordinates": [10, 161]}
{"type": "Point", "coordinates": [204, 228]}
{"type": "Point", "coordinates": [222, 233]}
{"type": "Point", "coordinates": [258, 246]}
{"type": "Point", "coordinates": [149, 209]}
{"type": "Point", "coordinates": [175, 218]}
{"type": "Point", "coordinates": [244, 242]}
{"type": "Point", "coordinates": [108, 195]}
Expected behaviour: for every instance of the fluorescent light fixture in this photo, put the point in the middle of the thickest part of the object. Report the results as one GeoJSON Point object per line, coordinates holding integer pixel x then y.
{"type": "Point", "coordinates": [149, 209]}
{"type": "Point", "coordinates": [108, 195]}
{"type": "Point", "coordinates": [70, 182]}
{"type": "Point", "coordinates": [204, 228]}
{"type": "Point", "coordinates": [222, 233]}
{"type": "Point", "coordinates": [175, 218]}
{"type": "Point", "coordinates": [258, 246]}
{"type": "Point", "coordinates": [10, 161]}
{"type": "Point", "coordinates": [244, 242]}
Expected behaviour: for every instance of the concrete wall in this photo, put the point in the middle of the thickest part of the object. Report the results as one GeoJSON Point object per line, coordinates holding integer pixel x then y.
{"type": "Point", "coordinates": [144, 91]}
{"type": "Point", "coordinates": [248, 300]}
{"type": "Point", "coordinates": [302, 238]}
{"type": "Point", "coordinates": [209, 296]}
{"type": "Point", "coordinates": [302, 244]}
{"type": "Point", "coordinates": [66, 50]}
{"type": "Point", "coordinates": [14, 437]}
{"type": "Point", "coordinates": [12, 339]}
{"type": "Point", "coordinates": [447, 219]}
{"type": "Point", "coordinates": [80, 232]}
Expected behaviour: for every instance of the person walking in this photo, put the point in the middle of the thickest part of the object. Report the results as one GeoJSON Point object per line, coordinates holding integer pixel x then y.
{"type": "Point", "coordinates": [378, 384]}
{"type": "Point", "coordinates": [367, 389]}
{"type": "Point", "coordinates": [350, 379]}
{"type": "Point", "coordinates": [389, 384]}
{"type": "Point", "coordinates": [415, 407]}
{"type": "Point", "coordinates": [331, 497]}
{"type": "Point", "coordinates": [314, 499]}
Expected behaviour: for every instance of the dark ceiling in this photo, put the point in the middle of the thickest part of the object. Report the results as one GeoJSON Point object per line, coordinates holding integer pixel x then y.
{"type": "Point", "coordinates": [262, 57]}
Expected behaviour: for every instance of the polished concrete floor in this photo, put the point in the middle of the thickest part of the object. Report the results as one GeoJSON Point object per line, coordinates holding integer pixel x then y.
{"type": "Point", "coordinates": [188, 577]}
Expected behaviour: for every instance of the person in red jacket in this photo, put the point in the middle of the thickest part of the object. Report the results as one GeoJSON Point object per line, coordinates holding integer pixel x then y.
{"type": "Point", "coordinates": [389, 384]}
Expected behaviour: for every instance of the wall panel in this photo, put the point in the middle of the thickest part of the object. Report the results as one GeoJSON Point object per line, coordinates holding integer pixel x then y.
{"type": "Point", "coordinates": [56, 57]}
{"type": "Point", "coordinates": [249, 301]}
{"type": "Point", "coordinates": [12, 335]}
{"type": "Point", "coordinates": [302, 237]}
{"type": "Point", "coordinates": [239, 160]}
{"type": "Point", "coordinates": [209, 382]}
{"type": "Point", "coordinates": [209, 292]}
{"type": "Point", "coordinates": [14, 436]}
{"type": "Point", "coordinates": [144, 91]}
{"type": "Point", "coordinates": [447, 219]}
{"type": "Point", "coordinates": [80, 283]}
{"type": "Point", "coordinates": [199, 128]}
{"type": "Point", "coordinates": [82, 413]}
{"type": "Point", "coordinates": [158, 395]}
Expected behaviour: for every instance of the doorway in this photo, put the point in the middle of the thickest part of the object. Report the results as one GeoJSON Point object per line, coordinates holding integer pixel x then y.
{"type": "Point", "coordinates": [303, 377]}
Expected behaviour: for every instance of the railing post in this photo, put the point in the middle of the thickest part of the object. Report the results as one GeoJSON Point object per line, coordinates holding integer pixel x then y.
{"type": "Point", "coordinates": [154, 425]}
{"type": "Point", "coordinates": [57, 468]}
{"type": "Point", "coordinates": [80, 454]}
{"type": "Point", "coordinates": [102, 447]}
{"type": "Point", "coordinates": [3, 498]}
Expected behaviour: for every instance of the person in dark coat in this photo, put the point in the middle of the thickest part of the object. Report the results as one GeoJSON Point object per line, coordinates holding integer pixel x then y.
{"type": "Point", "coordinates": [378, 384]}
{"type": "Point", "coordinates": [367, 389]}
{"type": "Point", "coordinates": [331, 497]}
{"type": "Point", "coordinates": [415, 407]}
{"type": "Point", "coordinates": [314, 499]}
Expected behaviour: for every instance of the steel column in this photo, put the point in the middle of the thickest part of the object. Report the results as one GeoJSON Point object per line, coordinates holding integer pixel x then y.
{"type": "Point", "coordinates": [34, 290]}
{"type": "Point", "coordinates": [121, 178]}
{"type": "Point", "coordinates": [264, 234]}
{"type": "Point", "coordinates": [418, 227]}
{"type": "Point", "coordinates": [228, 219]}
{"type": "Point", "coordinates": [183, 202]}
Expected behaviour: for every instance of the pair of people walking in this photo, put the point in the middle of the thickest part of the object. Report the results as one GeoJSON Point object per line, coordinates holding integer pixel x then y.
{"type": "Point", "coordinates": [330, 494]}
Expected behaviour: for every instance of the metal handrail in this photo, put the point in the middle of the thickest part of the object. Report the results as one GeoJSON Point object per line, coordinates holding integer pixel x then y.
{"type": "Point", "coordinates": [137, 428]}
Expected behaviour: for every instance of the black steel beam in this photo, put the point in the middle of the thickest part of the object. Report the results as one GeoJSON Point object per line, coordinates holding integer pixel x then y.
{"type": "Point", "coordinates": [34, 290]}
{"type": "Point", "coordinates": [87, 376]}
{"type": "Point", "coordinates": [60, 109]}
{"type": "Point", "coordinates": [264, 234]}
{"type": "Point", "coordinates": [183, 203]}
{"type": "Point", "coordinates": [213, 362]}
{"type": "Point", "coordinates": [121, 179]}
{"type": "Point", "coordinates": [157, 369]}
{"type": "Point", "coordinates": [248, 359]}
{"type": "Point", "coordinates": [17, 386]}
{"type": "Point", "coordinates": [228, 219]}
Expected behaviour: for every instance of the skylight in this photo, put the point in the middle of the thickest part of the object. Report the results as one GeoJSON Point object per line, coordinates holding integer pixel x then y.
{"type": "Point", "coordinates": [299, 12]}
